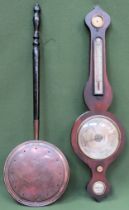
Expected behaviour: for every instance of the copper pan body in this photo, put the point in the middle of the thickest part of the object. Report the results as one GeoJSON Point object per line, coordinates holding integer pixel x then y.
{"type": "Point", "coordinates": [36, 173]}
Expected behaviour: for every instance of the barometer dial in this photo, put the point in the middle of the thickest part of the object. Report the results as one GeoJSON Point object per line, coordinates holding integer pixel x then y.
{"type": "Point", "coordinates": [98, 137]}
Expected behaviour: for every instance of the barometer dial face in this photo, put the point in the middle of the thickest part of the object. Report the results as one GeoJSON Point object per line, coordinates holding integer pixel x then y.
{"type": "Point", "coordinates": [98, 137]}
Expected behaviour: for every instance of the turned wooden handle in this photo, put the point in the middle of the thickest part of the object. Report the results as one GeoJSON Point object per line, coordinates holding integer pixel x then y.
{"type": "Point", "coordinates": [36, 69]}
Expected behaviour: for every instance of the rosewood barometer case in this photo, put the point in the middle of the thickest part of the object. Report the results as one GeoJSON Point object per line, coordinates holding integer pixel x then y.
{"type": "Point", "coordinates": [97, 136]}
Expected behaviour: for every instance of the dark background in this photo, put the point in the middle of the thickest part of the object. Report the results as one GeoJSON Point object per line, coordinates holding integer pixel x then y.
{"type": "Point", "coordinates": [64, 71]}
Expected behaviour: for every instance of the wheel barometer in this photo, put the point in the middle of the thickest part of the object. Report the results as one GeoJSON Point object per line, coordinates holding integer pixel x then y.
{"type": "Point", "coordinates": [97, 136]}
